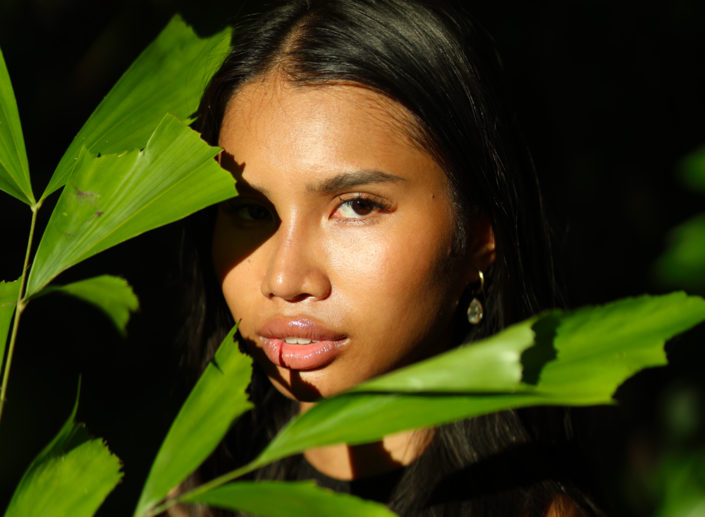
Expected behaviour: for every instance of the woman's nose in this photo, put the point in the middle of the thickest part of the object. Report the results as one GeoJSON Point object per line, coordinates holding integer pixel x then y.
{"type": "Point", "coordinates": [297, 265]}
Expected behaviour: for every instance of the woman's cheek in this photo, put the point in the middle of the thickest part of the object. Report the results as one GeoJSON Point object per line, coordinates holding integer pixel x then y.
{"type": "Point", "coordinates": [365, 257]}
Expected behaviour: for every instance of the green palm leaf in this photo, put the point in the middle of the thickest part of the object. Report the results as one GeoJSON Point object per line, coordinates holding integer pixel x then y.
{"type": "Point", "coordinates": [8, 302]}
{"type": "Point", "coordinates": [111, 294]}
{"type": "Point", "coordinates": [574, 358]}
{"type": "Point", "coordinates": [112, 198]}
{"type": "Point", "coordinates": [217, 399]}
{"type": "Point", "coordinates": [169, 76]}
{"type": "Point", "coordinates": [279, 499]}
{"type": "Point", "coordinates": [72, 460]}
{"type": "Point", "coordinates": [14, 169]}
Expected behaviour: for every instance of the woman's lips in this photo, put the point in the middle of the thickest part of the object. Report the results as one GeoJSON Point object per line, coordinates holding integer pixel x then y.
{"type": "Point", "coordinates": [300, 343]}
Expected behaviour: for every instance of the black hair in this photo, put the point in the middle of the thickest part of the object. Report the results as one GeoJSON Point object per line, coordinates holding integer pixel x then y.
{"type": "Point", "coordinates": [433, 60]}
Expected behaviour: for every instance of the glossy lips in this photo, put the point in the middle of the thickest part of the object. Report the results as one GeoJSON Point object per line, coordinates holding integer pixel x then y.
{"type": "Point", "coordinates": [300, 343]}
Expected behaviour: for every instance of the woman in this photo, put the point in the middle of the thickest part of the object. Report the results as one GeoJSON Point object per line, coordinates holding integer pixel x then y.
{"type": "Point", "coordinates": [384, 199]}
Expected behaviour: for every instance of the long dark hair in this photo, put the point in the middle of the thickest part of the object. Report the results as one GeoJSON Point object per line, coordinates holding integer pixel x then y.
{"type": "Point", "coordinates": [443, 69]}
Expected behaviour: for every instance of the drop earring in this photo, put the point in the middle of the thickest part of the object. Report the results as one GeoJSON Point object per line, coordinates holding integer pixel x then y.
{"type": "Point", "coordinates": [475, 309]}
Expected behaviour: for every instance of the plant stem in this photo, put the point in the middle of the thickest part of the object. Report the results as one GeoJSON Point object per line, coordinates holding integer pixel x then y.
{"type": "Point", "coordinates": [19, 308]}
{"type": "Point", "coordinates": [205, 487]}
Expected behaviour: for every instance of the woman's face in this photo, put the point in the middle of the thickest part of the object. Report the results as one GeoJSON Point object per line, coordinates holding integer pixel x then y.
{"type": "Point", "coordinates": [337, 256]}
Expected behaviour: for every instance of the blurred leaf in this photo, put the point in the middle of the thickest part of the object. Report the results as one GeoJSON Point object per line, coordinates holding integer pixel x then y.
{"type": "Point", "coordinates": [578, 358]}
{"type": "Point", "coordinates": [113, 198]}
{"type": "Point", "coordinates": [682, 485]}
{"type": "Point", "coordinates": [692, 170]}
{"type": "Point", "coordinates": [682, 413]}
{"type": "Point", "coordinates": [280, 499]}
{"type": "Point", "coordinates": [70, 476]}
{"type": "Point", "coordinates": [113, 295]}
{"type": "Point", "coordinates": [217, 399]}
{"type": "Point", "coordinates": [8, 301]}
{"type": "Point", "coordinates": [14, 169]}
{"type": "Point", "coordinates": [169, 76]}
{"type": "Point", "coordinates": [682, 265]}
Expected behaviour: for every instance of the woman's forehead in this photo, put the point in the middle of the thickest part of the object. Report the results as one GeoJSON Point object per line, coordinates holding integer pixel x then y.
{"type": "Point", "coordinates": [274, 125]}
{"type": "Point", "coordinates": [323, 105]}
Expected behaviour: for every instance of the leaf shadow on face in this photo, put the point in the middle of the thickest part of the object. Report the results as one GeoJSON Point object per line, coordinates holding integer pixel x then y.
{"type": "Point", "coordinates": [301, 389]}
{"type": "Point", "coordinates": [237, 241]}
{"type": "Point", "coordinates": [246, 243]}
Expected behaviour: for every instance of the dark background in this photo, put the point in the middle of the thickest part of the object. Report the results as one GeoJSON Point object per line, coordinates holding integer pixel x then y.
{"type": "Point", "coordinates": [611, 96]}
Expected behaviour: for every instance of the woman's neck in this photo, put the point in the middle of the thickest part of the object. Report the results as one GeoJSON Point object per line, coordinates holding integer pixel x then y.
{"type": "Point", "coordinates": [348, 462]}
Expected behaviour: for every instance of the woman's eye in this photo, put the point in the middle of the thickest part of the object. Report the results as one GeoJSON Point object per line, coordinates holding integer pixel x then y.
{"type": "Point", "coordinates": [358, 208]}
{"type": "Point", "coordinates": [248, 212]}
{"type": "Point", "coordinates": [253, 213]}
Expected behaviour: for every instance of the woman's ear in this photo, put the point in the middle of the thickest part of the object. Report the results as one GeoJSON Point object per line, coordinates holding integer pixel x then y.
{"type": "Point", "coordinates": [481, 245]}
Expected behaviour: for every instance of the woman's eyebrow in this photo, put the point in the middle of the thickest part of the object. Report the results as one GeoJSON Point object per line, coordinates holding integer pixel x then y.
{"type": "Point", "coordinates": [352, 179]}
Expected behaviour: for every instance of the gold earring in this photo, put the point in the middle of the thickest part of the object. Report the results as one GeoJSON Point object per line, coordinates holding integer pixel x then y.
{"type": "Point", "coordinates": [475, 309]}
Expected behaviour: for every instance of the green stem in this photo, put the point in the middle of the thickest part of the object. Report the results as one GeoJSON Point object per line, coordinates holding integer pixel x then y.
{"type": "Point", "coordinates": [205, 487]}
{"type": "Point", "coordinates": [19, 308]}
